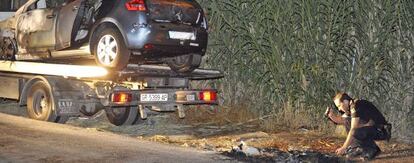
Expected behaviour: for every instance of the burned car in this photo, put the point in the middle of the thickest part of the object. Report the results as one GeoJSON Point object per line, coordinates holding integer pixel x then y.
{"type": "Point", "coordinates": [115, 32]}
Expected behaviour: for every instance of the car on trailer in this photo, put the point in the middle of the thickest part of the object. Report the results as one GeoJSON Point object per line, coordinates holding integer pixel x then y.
{"type": "Point", "coordinates": [116, 33]}
{"type": "Point", "coordinates": [56, 90]}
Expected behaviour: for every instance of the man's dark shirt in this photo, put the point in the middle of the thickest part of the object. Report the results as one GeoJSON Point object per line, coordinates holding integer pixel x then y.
{"type": "Point", "coordinates": [365, 110]}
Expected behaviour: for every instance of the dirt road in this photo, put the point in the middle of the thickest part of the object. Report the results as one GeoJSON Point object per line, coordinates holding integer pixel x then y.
{"type": "Point", "coordinates": [25, 140]}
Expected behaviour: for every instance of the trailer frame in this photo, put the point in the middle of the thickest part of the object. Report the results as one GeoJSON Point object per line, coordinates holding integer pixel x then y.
{"type": "Point", "coordinates": [134, 90]}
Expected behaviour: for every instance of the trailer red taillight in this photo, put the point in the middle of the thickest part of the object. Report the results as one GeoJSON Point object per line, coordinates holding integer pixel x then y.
{"type": "Point", "coordinates": [135, 5]}
{"type": "Point", "coordinates": [207, 96]}
{"type": "Point", "coordinates": [121, 97]}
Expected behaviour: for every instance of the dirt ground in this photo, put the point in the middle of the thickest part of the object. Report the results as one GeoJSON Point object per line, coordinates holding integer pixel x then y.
{"type": "Point", "coordinates": [26, 140]}
{"type": "Point", "coordinates": [300, 145]}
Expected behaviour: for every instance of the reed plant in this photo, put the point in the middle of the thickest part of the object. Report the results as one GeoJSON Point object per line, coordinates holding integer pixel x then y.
{"type": "Point", "coordinates": [287, 58]}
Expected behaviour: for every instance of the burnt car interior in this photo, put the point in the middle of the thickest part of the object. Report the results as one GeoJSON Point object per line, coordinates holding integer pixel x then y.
{"type": "Point", "coordinates": [36, 29]}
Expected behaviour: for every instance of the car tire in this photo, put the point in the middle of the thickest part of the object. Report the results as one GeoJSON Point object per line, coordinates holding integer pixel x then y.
{"type": "Point", "coordinates": [8, 49]}
{"type": "Point", "coordinates": [109, 49]}
{"type": "Point", "coordinates": [41, 105]}
{"type": "Point", "coordinates": [185, 63]}
{"type": "Point", "coordinates": [122, 116]}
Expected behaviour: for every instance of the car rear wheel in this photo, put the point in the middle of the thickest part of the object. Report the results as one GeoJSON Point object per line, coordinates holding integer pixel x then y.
{"type": "Point", "coordinates": [122, 116]}
{"type": "Point", "coordinates": [109, 49]}
{"type": "Point", "coordinates": [184, 63]}
{"type": "Point", "coordinates": [40, 104]}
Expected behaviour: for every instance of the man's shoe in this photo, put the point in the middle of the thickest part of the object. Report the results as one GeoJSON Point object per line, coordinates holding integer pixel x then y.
{"type": "Point", "coordinates": [370, 153]}
{"type": "Point", "coordinates": [388, 128]}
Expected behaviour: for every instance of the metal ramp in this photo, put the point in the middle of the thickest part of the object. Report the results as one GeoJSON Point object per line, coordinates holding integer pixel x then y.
{"type": "Point", "coordinates": [36, 68]}
{"type": "Point", "coordinates": [96, 72]}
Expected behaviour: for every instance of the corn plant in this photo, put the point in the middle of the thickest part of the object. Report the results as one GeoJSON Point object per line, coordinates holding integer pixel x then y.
{"type": "Point", "coordinates": [284, 56]}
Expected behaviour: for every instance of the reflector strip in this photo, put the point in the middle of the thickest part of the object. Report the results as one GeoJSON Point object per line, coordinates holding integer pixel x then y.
{"type": "Point", "coordinates": [53, 69]}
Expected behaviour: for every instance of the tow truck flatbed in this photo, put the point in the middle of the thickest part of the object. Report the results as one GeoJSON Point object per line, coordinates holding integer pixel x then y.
{"type": "Point", "coordinates": [83, 71]}
{"type": "Point", "coordinates": [54, 92]}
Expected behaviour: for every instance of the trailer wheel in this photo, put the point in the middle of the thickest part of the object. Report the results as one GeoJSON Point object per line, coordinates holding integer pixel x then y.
{"type": "Point", "coordinates": [109, 49]}
{"type": "Point", "coordinates": [122, 116]}
{"type": "Point", "coordinates": [62, 119]}
{"type": "Point", "coordinates": [184, 63]}
{"type": "Point", "coordinates": [40, 104]}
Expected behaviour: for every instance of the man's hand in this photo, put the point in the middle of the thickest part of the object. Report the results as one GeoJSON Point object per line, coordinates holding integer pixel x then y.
{"type": "Point", "coordinates": [328, 112]}
{"type": "Point", "coordinates": [340, 151]}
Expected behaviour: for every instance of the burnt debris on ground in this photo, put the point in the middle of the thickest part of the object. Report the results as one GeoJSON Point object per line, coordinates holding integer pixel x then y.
{"type": "Point", "coordinates": [276, 155]}
{"type": "Point", "coordinates": [300, 145]}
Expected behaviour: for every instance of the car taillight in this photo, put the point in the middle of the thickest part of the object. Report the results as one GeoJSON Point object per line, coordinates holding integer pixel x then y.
{"type": "Point", "coordinates": [148, 46]}
{"type": "Point", "coordinates": [208, 96]}
{"type": "Point", "coordinates": [121, 97]}
{"type": "Point", "coordinates": [135, 5]}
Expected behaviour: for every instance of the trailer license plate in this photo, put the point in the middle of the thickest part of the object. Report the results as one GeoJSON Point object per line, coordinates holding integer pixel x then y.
{"type": "Point", "coordinates": [190, 97]}
{"type": "Point", "coordinates": [154, 97]}
{"type": "Point", "coordinates": [182, 35]}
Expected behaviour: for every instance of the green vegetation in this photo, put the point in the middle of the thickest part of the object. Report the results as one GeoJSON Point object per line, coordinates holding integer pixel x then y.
{"type": "Point", "coordinates": [288, 58]}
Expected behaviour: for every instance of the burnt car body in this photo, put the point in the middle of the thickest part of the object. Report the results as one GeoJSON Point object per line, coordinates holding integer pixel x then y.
{"type": "Point", "coordinates": [117, 32]}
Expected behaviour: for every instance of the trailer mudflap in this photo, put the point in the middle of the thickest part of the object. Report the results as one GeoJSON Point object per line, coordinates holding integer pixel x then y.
{"type": "Point", "coordinates": [67, 107]}
{"type": "Point", "coordinates": [70, 96]}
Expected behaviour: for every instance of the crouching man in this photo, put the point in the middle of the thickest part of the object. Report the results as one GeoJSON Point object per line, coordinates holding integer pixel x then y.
{"type": "Point", "coordinates": [364, 124]}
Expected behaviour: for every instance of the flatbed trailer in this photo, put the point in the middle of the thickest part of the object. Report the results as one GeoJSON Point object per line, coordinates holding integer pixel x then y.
{"type": "Point", "coordinates": [55, 92]}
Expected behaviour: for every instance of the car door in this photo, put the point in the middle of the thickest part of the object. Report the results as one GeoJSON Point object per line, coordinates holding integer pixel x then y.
{"type": "Point", "coordinates": [36, 27]}
{"type": "Point", "coordinates": [68, 23]}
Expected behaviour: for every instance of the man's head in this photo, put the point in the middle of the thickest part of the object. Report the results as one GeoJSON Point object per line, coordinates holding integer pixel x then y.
{"type": "Point", "coordinates": [341, 101]}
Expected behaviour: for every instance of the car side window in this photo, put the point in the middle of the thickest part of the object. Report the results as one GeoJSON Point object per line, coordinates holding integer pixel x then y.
{"type": "Point", "coordinates": [32, 7]}
{"type": "Point", "coordinates": [5, 5]}
{"type": "Point", "coordinates": [54, 3]}
{"type": "Point", "coordinates": [11, 5]}
{"type": "Point", "coordinates": [40, 4]}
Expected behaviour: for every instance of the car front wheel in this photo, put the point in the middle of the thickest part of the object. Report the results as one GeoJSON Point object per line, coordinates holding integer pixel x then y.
{"type": "Point", "coordinates": [109, 49]}
{"type": "Point", "coordinates": [184, 63]}
{"type": "Point", "coordinates": [8, 48]}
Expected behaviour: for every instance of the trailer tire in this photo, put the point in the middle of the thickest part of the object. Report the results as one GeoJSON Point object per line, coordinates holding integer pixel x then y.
{"type": "Point", "coordinates": [62, 119]}
{"type": "Point", "coordinates": [41, 105]}
{"type": "Point", "coordinates": [122, 116]}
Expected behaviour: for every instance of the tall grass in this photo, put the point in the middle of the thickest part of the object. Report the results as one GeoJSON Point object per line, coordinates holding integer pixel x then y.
{"type": "Point", "coordinates": [288, 58]}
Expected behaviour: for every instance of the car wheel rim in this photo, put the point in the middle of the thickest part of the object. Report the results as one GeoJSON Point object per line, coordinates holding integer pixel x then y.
{"type": "Point", "coordinates": [107, 50]}
{"type": "Point", "coordinates": [40, 103]}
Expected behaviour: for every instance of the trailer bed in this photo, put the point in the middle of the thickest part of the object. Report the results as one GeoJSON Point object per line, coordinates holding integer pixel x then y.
{"type": "Point", "coordinates": [55, 92]}
{"type": "Point", "coordinates": [96, 72]}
